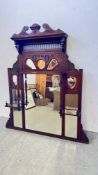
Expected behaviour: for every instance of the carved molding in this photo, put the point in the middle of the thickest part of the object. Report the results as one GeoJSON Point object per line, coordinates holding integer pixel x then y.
{"type": "Point", "coordinates": [35, 31]}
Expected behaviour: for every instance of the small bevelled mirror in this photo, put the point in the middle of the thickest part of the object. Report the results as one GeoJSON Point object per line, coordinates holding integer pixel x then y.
{"type": "Point", "coordinates": [17, 107]}
{"type": "Point", "coordinates": [53, 63]}
{"type": "Point", "coordinates": [71, 82]}
{"type": "Point", "coordinates": [16, 102]}
{"type": "Point", "coordinates": [71, 115]}
{"type": "Point", "coordinates": [15, 80]}
{"type": "Point", "coordinates": [41, 64]}
{"type": "Point", "coordinates": [30, 64]}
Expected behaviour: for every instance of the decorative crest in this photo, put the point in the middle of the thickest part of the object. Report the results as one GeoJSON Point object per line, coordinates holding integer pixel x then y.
{"type": "Point", "coordinates": [35, 32]}
{"type": "Point", "coordinates": [35, 28]}
{"type": "Point", "coordinates": [24, 30]}
{"type": "Point", "coordinates": [47, 28]}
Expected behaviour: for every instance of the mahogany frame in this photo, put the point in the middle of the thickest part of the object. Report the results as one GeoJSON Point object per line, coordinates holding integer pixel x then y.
{"type": "Point", "coordinates": [65, 69]}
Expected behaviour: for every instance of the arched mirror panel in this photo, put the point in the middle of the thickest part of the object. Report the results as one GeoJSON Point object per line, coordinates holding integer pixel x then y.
{"type": "Point", "coordinates": [72, 81]}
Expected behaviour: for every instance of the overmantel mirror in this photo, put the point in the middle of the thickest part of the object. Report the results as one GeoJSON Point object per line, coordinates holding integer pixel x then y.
{"type": "Point", "coordinates": [45, 87]}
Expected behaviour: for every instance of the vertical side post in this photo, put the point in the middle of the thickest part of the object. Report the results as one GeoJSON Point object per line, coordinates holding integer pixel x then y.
{"type": "Point", "coordinates": [79, 128]}
{"type": "Point", "coordinates": [22, 99]}
{"type": "Point", "coordinates": [62, 100]}
{"type": "Point", "coordinates": [10, 96]}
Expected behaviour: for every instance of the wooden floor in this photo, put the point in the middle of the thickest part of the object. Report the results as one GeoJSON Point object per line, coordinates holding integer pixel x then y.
{"type": "Point", "coordinates": [24, 153]}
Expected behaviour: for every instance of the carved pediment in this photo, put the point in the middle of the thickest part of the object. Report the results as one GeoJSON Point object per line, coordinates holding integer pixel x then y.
{"type": "Point", "coordinates": [34, 32]}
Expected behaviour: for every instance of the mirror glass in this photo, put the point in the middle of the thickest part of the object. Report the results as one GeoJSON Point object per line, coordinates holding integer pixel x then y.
{"type": "Point", "coordinates": [17, 109]}
{"type": "Point", "coordinates": [15, 80]}
{"type": "Point", "coordinates": [71, 109]}
{"type": "Point", "coordinates": [71, 82]}
{"type": "Point", "coordinates": [42, 110]}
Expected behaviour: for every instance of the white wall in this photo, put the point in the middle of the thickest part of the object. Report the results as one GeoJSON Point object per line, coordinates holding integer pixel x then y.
{"type": "Point", "coordinates": [77, 18]}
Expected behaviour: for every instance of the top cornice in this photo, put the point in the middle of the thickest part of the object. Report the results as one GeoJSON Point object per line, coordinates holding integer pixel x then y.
{"type": "Point", "coordinates": [33, 32]}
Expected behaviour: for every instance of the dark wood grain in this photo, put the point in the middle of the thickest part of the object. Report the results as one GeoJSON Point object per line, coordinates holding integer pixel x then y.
{"type": "Point", "coordinates": [65, 69]}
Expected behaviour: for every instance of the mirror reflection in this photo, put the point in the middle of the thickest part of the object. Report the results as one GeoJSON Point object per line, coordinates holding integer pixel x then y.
{"type": "Point", "coordinates": [72, 82]}
{"type": "Point", "coordinates": [17, 107]}
{"type": "Point", "coordinates": [40, 111]}
{"type": "Point", "coordinates": [71, 116]}
{"type": "Point", "coordinates": [42, 105]}
{"type": "Point", "coordinates": [15, 80]}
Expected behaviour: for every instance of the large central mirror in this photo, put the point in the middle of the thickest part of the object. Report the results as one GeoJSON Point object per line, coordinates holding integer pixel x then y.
{"type": "Point", "coordinates": [41, 103]}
